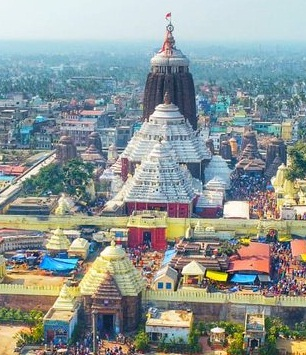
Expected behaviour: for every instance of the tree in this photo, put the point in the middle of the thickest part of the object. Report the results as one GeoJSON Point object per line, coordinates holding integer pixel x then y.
{"type": "Point", "coordinates": [72, 178]}
{"type": "Point", "coordinates": [236, 345]}
{"type": "Point", "coordinates": [297, 167]}
{"type": "Point", "coordinates": [49, 179]}
{"type": "Point", "coordinates": [76, 177]}
{"type": "Point", "coordinates": [141, 341]}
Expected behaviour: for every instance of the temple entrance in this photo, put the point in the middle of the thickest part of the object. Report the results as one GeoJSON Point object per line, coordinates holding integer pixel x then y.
{"type": "Point", "coordinates": [105, 324]}
{"type": "Point", "coordinates": [147, 238]}
{"type": "Point", "coordinates": [108, 322]}
{"type": "Point", "coordinates": [254, 343]}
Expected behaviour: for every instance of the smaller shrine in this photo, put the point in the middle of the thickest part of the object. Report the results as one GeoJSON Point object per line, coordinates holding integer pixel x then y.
{"type": "Point", "coordinates": [111, 290]}
{"type": "Point", "coordinates": [193, 273]}
{"type": "Point", "coordinates": [65, 149]}
{"type": "Point", "coordinates": [61, 319]}
{"type": "Point", "coordinates": [254, 335]}
{"type": "Point", "coordinates": [58, 243]}
{"type": "Point", "coordinates": [65, 205]}
{"type": "Point", "coordinates": [79, 248]}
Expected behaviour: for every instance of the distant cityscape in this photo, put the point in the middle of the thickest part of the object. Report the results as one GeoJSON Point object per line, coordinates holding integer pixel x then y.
{"type": "Point", "coordinates": [153, 199]}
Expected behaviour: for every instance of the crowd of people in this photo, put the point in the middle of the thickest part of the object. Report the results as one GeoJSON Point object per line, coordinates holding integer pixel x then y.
{"type": "Point", "coordinates": [263, 204]}
{"type": "Point", "coordinates": [244, 186]}
{"type": "Point", "coordinates": [289, 275]}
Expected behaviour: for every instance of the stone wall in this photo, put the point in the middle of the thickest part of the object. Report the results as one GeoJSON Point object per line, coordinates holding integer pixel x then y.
{"type": "Point", "coordinates": [233, 312]}
{"type": "Point", "coordinates": [27, 302]}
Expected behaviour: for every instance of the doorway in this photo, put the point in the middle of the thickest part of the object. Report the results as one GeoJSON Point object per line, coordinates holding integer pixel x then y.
{"type": "Point", "coordinates": [108, 322]}
{"type": "Point", "coordinates": [105, 325]}
{"type": "Point", "coordinates": [147, 239]}
{"type": "Point", "coordinates": [254, 343]}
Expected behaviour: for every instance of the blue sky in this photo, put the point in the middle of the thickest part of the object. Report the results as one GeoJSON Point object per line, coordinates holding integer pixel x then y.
{"type": "Point", "coordinates": [197, 20]}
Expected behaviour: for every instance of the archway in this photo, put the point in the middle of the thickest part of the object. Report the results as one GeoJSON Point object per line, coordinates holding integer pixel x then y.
{"type": "Point", "coordinates": [254, 343]}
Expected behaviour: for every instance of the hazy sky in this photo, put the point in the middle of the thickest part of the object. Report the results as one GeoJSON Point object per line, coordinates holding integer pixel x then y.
{"type": "Point", "coordinates": [203, 20]}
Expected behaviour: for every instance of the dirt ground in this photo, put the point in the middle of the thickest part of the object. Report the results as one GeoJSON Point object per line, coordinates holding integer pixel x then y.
{"type": "Point", "coordinates": [7, 341]}
{"type": "Point", "coordinates": [33, 279]}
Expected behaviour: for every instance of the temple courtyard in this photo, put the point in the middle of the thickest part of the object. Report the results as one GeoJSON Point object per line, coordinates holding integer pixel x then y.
{"type": "Point", "coordinates": [8, 343]}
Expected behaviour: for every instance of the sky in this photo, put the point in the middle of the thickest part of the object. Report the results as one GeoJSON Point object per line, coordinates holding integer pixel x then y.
{"type": "Point", "coordinates": [135, 20]}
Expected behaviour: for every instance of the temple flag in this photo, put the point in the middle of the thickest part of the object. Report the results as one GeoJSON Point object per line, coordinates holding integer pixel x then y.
{"type": "Point", "coordinates": [168, 15]}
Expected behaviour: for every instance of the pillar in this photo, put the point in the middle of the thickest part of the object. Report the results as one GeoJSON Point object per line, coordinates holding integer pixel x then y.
{"type": "Point", "coordinates": [117, 323]}
{"type": "Point", "coordinates": [94, 331]}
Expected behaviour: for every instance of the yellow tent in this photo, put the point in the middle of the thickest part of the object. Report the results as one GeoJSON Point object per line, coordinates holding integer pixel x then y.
{"type": "Point", "coordinates": [303, 257]}
{"type": "Point", "coordinates": [284, 238]}
{"type": "Point", "coordinates": [217, 275]}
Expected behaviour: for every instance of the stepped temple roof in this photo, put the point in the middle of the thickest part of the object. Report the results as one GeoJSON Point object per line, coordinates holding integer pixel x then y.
{"type": "Point", "coordinates": [159, 178]}
{"type": "Point", "coordinates": [58, 241]}
{"type": "Point", "coordinates": [114, 261]}
{"type": "Point", "coordinates": [217, 167]}
{"type": "Point", "coordinates": [169, 124]}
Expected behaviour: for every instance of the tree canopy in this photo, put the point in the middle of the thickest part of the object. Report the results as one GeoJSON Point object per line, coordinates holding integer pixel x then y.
{"type": "Point", "coordinates": [72, 178]}
{"type": "Point", "coordinates": [297, 167]}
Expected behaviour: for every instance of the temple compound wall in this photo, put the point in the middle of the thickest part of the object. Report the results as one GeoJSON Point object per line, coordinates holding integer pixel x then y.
{"type": "Point", "coordinates": [209, 312]}
{"type": "Point", "coordinates": [228, 307]}
{"type": "Point", "coordinates": [27, 302]}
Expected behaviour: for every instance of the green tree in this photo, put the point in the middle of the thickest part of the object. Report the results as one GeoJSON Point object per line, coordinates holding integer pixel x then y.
{"type": "Point", "coordinates": [73, 178]}
{"type": "Point", "coordinates": [297, 167]}
{"type": "Point", "coordinates": [236, 345]}
{"type": "Point", "coordinates": [76, 177]}
{"type": "Point", "coordinates": [141, 341]}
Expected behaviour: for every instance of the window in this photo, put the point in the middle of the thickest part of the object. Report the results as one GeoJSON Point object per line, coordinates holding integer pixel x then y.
{"type": "Point", "coordinates": [168, 285]}
{"type": "Point", "coordinates": [160, 285]}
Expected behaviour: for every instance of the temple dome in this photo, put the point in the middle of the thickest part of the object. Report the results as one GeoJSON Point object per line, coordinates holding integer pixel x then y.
{"type": "Point", "coordinates": [114, 261]}
{"type": "Point", "coordinates": [112, 252]}
{"type": "Point", "coordinates": [176, 58]}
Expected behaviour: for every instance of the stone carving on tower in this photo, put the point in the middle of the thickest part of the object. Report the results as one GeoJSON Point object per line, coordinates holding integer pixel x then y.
{"type": "Point", "coordinates": [170, 73]}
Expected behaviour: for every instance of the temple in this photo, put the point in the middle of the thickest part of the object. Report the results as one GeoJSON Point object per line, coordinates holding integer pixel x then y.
{"type": "Point", "coordinates": [112, 292]}
{"type": "Point", "coordinates": [170, 73]}
{"type": "Point", "coordinates": [166, 123]}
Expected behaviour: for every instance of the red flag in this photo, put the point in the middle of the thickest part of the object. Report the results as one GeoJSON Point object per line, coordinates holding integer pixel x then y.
{"type": "Point", "coordinates": [168, 15]}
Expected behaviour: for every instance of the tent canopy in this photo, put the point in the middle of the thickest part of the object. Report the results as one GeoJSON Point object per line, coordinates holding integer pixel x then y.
{"type": "Point", "coordinates": [55, 264]}
{"type": "Point", "coordinates": [216, 275]}
{"type": "Point", "coordinates": [243, 278]}
{"type": "Point", "coordinates": [169, 254]}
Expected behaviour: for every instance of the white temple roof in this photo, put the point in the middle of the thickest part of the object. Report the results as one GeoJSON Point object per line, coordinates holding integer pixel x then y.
{"type": "Point", "coordinates": [218, 167]}
{"type": "Point", "coordinates": [169, 124]}
{"type": "Point", "coordinates": [159, 178]}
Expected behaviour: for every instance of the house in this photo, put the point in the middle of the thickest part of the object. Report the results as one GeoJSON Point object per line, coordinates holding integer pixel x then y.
{"type": "Point", "coordinates": [165, 279]}
{"type": "Point", "coordinates": [169, 325]}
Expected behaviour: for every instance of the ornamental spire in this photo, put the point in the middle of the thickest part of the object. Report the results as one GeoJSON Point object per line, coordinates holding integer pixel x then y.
{"type": "Point", "coordinates": [169, 42]}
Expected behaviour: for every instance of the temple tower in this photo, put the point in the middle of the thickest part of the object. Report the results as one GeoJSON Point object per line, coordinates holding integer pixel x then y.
{"type": "Point", "coordinates": [65, 150]}
{"type": "Point", "coordinates": [170, 73]}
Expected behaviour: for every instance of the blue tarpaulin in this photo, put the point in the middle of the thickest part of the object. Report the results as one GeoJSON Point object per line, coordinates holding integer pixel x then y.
{"type": "Point", "coordinates": [56, 264]}
{"type": "Point", "coordinates": [243, 278]}
{"type": "Point", "coordinates": [169, 254]}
